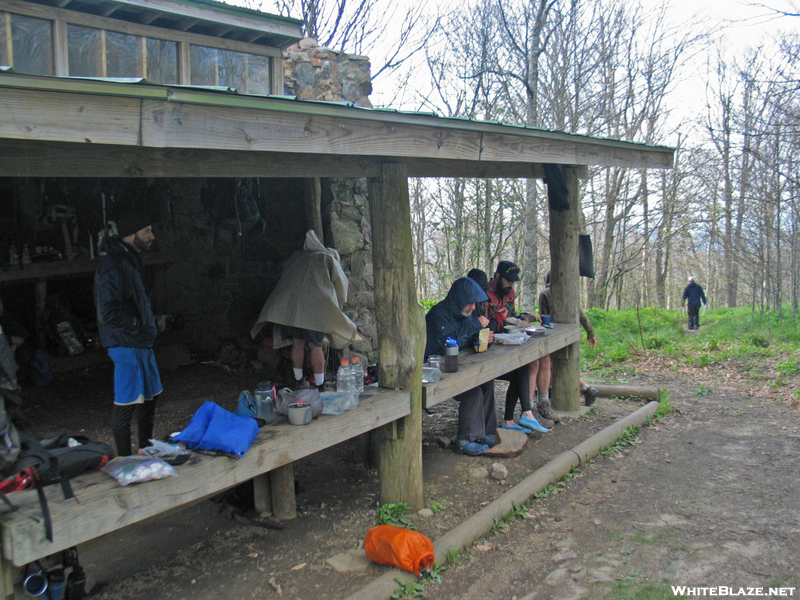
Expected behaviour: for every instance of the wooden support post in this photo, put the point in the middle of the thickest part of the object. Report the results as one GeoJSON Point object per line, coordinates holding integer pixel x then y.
{"type": "Point", "coordinates": [262, 497]}
{"type": "Point", "coordinates": [281, 485]}
{"type": "Point", "coordinates": [41, 324]}
{"type": "Point", "coordinates": [564, 279]}
{"type": "Point", "coordinates": [313, 198]}
{"type": "Point", "coordinates": [401, 332]}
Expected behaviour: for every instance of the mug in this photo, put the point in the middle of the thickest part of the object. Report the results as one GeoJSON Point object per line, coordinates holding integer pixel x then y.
{"type": "Point", "coordinates": [35, 584]}
{"type": "Point", "coordinates": [546, 320]}
{"type": "Point", "coordinates": [300, 414]}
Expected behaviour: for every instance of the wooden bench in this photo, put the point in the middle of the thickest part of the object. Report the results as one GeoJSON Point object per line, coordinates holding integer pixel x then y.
{"type": "Point", "coordinates": [101, 506]}
{"type": "Point", "coordinates": [477, 368]}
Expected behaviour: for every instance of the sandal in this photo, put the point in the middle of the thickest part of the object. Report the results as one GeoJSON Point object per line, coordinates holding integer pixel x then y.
{"type": "Point", "coordinates": [469, 448]}
{"type": "Point", "coordinates": [487, 440]}
{"type": "Point", "coordinates": [516, 427]}
{"type": "Point", "coordinates": [532, 424]}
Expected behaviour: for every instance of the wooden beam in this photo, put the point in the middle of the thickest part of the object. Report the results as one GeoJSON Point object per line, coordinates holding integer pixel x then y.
{"type": "Point", "coordinates": [86, 20]}
{"type": "Point", "coordinates": [74, 118]}
{"type": "Point", "coordinates": [276, 75]}
{"type": "Point", "coordinates": [565, 294]}
{"type": "Point", "coordinates": [149, 17]}
{"type": "Point", "coordinates": [281, 486]}
{"type": "Point", "coordinates": [216, 16]}
{"type": "Point", "coordinates": [313, 199]}
{"type": "Point", "coordinates": [60, 51]}
{"type": "Point", "coordinates": [36, 159]}
{"type": "Point", "coordinates": [401, 332]}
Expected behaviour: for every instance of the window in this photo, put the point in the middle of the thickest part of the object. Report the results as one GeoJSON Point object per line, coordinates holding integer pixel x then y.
{"type": "Point", "coordinates": [248, 73]}
{"type": "Point", "coordinates": [31, 45]}
{"type": "Point", "coordinates": [26, 44]}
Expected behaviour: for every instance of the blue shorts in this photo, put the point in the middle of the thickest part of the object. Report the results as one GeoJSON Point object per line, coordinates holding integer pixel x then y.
{"type": "Point", "coordinates": [136, 377]}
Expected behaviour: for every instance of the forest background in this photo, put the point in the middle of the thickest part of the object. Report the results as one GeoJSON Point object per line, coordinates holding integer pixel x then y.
{"type": "Point", "coordinates": [720, 86]}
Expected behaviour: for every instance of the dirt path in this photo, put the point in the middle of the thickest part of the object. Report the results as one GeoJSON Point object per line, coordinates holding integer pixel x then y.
{"type": "Point", "coordinates": [709, 496]}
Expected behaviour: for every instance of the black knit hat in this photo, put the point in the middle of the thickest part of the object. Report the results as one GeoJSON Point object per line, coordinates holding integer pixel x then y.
{"type": "Point", "coordinates": [131, 222]}
{"type": "Point", "coordinates": [508, 271]}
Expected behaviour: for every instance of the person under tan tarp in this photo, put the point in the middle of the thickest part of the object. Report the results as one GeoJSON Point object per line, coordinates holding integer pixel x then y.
{"type": "Point", "coordinates": [309, 296]}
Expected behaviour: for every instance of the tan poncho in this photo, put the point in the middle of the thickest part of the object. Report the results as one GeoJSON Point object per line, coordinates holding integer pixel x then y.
{"type": "Point", "coordinates": [310, 295]}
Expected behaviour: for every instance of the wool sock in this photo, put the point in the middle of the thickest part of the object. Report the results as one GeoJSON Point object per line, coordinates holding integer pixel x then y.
{"type": "Point", "coordinates": [544, 397]}
{"type": "Point", "coordinates": [319, 379]}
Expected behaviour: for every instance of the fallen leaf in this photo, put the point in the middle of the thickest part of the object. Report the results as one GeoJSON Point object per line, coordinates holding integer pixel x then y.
{"type": "Point", "coordinates": [298, 567]}
{"type": "Point", "coordinates": [483, 547]}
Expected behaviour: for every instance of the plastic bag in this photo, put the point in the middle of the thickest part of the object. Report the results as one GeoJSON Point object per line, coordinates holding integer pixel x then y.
{"type": "Point", "coordinates": [335, 403]}
{"type": "Point", "coordinates": [398, 547]}
{"type": "Point", "coordinates": [138, 469]}
{"type": "Point", "coordinates": [312, 397]}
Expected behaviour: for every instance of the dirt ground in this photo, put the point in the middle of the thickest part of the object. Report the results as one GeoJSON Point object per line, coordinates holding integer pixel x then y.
{"type": "Point", "coordinates": [710, 496]}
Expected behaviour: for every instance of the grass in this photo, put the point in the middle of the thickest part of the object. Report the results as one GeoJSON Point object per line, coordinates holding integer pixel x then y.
{"type": "Point", "coordinates": [629, 590]}
{"type": "Point", "coordinates": [734, 339]}
{"type": "Point", "coordinates": [393, 514]}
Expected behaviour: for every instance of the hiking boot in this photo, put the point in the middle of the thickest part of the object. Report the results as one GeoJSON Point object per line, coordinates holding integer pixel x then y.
{"type": "Point", "coordinates": [546, 410]}
{"type": "Point", "coordinates": [541, 418]}
{"type": "Point", "coordinates": [590, 395]}
{"type": "Point", "coordinates": [303, 384]}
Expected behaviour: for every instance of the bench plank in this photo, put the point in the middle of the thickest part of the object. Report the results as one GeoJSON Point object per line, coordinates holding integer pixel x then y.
{"type": "Point", "coordinates": [475, 369]}
{"type": "Point", "coordinates": [102, 506]}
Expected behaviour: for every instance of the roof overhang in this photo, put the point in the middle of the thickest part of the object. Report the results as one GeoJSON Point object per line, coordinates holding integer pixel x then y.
{"type": "Point", "coordinates": [81, 128]}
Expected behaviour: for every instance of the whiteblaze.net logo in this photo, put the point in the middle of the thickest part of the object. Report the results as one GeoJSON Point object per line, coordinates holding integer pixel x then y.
{"type": "Point", "coordinates": [733, 592]}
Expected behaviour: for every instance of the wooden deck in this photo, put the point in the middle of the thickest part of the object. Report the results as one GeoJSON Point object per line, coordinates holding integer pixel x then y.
{"type": "Point", "coordinates": [475, 369]}
{"type": "Point", "coordinates": [101, 506]}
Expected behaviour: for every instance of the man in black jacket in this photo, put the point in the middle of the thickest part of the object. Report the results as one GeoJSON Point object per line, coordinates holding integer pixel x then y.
{"type": "Point", "coordinates": [128, 329]}
{"type": "Point", "coordinates": [455, 318]}
{"type": "Point", "coordinates": [693, 294]}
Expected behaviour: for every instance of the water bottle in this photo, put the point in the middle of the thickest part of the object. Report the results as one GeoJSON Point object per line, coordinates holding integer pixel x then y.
{"type": "Point", "coordinates": [344, 377]}
{"type": "Point", "coordinates": [450, 356]}
{"type": "Point", "coordinates": [358, 375]}
{"type": "Point", "coordinates": [264, 397]}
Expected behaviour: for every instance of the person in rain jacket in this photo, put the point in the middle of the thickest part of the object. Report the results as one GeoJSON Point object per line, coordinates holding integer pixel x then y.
{"type": "Point", "coordinates": [693, 294]}
{"type": "Point", "coordinates": [454, 317]}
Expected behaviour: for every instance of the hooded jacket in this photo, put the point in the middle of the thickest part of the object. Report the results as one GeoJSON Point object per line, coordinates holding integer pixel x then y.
{"type": "Point", "coordinates": [693, 294]}
{"type": "Point", "coordinates": [446, 321]}
{"type": "Point", "coordinates": [124, 315]}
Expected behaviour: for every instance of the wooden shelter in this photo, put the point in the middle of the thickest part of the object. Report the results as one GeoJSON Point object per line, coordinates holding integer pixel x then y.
{"type": "Point", "coordinates": [55, 127]}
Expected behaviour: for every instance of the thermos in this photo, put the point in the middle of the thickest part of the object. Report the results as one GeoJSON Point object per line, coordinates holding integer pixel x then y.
{"type": "Point", "coordinates": [450, 356]}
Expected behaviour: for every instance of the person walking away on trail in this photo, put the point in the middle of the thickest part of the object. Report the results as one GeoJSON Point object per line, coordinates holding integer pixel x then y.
{"type": "Point", "coordinates": [455, 318]}
{"type": "Point", "coordinates": [589, 393]}
{"type": "Point", "coordinates": [128, 329]}
{"type": "Point", "coordinates": [693, 295]}
{"type": "Point", "coordinates": [501, 311]}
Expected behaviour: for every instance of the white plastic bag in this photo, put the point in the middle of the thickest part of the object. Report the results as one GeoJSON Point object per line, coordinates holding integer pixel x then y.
{"type": "Point", "coordinates": [138, 469]}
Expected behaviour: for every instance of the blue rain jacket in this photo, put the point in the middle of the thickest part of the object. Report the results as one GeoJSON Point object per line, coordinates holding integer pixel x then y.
{"type": "Point", "coordinates": [445, 319]}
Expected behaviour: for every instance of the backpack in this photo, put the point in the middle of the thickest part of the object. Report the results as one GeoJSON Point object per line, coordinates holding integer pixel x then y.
{"type": "Point", "coordinates": [48, 461]}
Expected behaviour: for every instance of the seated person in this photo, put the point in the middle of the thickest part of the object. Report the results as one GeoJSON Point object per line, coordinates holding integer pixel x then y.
{"type": "Point", "coordinates": [307, 305]}
{"type": "Point", "coordinates": [518, 380]}
{"type": "Point", "coordinates": [501, 307]}
{"type": "Point", "coordinates": [454, 317]}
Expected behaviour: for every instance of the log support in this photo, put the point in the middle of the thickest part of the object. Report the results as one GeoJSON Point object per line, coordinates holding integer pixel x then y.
{"type": "Point", "coordinates": [401, 333]}
{"type": "Point", "coordinates": [564, 279]}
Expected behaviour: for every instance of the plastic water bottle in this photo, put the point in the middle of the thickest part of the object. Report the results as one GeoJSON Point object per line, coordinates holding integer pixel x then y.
{"type": "Point", "coordinates": [358, 375]}
{"type": "Point", "coordinates": [344, 377]}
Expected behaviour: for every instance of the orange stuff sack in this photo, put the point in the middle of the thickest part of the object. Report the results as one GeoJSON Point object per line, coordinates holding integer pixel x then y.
{"type": "Point", "coordinates": [398, 547]}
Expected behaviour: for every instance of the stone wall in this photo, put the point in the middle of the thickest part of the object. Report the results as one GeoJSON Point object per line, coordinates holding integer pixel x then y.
{"type": "Point", "coordinates": [315, 73]}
